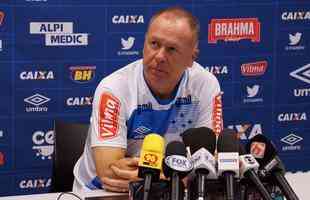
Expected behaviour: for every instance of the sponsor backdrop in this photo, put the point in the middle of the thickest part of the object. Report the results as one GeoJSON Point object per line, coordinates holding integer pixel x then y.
{"type": "Point", "coordinates": [53, 53]}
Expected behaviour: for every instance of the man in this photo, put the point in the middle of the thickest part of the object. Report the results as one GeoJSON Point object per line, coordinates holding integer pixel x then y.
{"type": "Point", "coordinates": [166, 93]}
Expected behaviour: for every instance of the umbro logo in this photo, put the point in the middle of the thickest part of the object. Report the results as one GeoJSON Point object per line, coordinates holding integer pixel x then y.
{"type": "Point", "coordinates": [302, 73]}
{"type": "Point", "coordinates": [142, 130]}
{"type": "Point", "coordinates": [291, 139]}
{"type": "Point", "coordinates": [37, 99]}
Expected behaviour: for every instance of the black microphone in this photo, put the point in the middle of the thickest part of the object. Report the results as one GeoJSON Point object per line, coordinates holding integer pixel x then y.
{"type": "Point", "coordinates": [228, 160]}
{"type": "Point", "coordinates": [176, 166]}
{"type": "Point", "coordinates": [202, 142]}
{"type": "Point", "coordinates": [270, 164]}
{"type": "Point", "coordinates": [248, 169]}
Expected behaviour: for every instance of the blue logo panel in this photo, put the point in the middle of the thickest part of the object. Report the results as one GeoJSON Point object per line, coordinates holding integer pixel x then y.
{"type": "Point", "coordinates": [6, 158]}
{"type": "Point", "coordinates": [26, 183]}
{"type": "Point", "coordinates": [77, 100]}
{"type": "Point", "coordinates": [46, 36]}
{"type": "Point", "coordinates": [6, 183]}
{"type": "Point", "coordinates": [294, 73]}
{"type": "Point", "coordinates": [6, 90]}
{"type": "Point", "coordinates": [6, 133]}
{"type": "Point", "coordinates": [36, 102]}
{"type": "Point", "coordinates": [35, 146]}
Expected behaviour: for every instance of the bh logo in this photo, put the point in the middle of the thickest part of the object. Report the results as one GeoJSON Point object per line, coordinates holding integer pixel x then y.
{"type": "Point", "coordinates": [43, 144]}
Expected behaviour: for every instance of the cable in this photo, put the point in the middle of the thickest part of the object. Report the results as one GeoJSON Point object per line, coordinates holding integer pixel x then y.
{"type": "Point", "coordinates": [70, 193]}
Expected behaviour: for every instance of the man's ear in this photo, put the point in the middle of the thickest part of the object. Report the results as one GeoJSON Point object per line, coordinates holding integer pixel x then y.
{"type": "Point", "coordinates": [195, 53]}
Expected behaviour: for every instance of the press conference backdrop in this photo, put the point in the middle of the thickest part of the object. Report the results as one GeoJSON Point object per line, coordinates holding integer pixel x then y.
{"type": "Point", "coordinates": [53, 53]}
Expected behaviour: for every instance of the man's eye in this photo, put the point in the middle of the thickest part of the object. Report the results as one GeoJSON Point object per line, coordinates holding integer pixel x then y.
{"type": "Point", "coordinates": [154, 44]}
{"type": "Point", "coordinates": [172, 49]}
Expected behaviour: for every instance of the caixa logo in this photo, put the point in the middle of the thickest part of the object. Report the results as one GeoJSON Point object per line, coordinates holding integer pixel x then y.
{"type": "Point", "coordinates": [247, 131]}
{"type": "Point", "coordinates": [35, 183]}
{"type": "Point", "coordinates": [36, 101]}
{"type": "Point", "coordinates": [43, 144]}
{"type": "Point", "coordinates": [128, 19]}
{"type": "Point", "coordinates": [79, 101]}
{"type": "Point", "coordinates": [297, 15]}
{"type": "Point", "coordinates": [37, 75]}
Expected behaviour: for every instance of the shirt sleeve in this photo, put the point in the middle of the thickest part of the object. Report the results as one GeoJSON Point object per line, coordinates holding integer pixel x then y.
{"type": "Point", "coordinates": [108, 120]}
{"type": "Point", "coordinates": [210, 108]}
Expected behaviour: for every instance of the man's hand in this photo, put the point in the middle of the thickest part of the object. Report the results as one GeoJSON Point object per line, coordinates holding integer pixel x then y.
{"type": "Point", "coordinates": [124, 171]}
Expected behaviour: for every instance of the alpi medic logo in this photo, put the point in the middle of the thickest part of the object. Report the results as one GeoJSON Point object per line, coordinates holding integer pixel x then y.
{"type": "Point", "coordinates": [291, 140]}
{"type": "Point", "coordinates": [128, 19]}
{"type": "Point", "coordinates": [294, 42]}
{"type": "Point", "coordinates": [37, 101]}
{"type": "Point", "coordinates": [296, 16]}
{"type": "Point", "coordinates": [37, 75]}
{"type": "Point", "coordinates": [82, 73]}
{"type": "Point", "coordinates": [127, 45]}
{"type": "Point", "coordinates": [254, 69]}
{"type": "Point", "coordinates": [59, 33]}
{"type": "Point", "coordinates": [1, 17]}
{"type": "Point", "coordinates": [234, 30]}
{"type": "Point", "coordinates": [302, 73]}
{"type": "Point", "coordinates": [43, 144]}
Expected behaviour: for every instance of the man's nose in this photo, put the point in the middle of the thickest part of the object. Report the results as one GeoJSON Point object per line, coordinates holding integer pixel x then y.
{"type": "Point", "coordinates": [161, 55]}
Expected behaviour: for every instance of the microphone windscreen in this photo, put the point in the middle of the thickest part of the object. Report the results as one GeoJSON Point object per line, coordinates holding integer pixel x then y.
{"type": "Point", "coordinates": [175, 148]}
{"type": "Point", "coordinates": [261, 148]}
{"type": "Point", "coordinates": [228, 141]}
{"type": "Point", "coordinates": [197, 138]}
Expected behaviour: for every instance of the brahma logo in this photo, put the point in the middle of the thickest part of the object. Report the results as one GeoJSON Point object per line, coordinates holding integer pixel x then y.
{"type": "Point", "coordinates": [291, 140]}
{"type": "Point", "coordinates": [217, 114]}
{"type": "Point", "coordinates": [246, 131]}
{"type": "Point", "coordinates": [217, 69]}
{"type": "Point", "coordinates": [128, 19]}
{"type": "Point", "coordinates": [1, 17]}
{"type": "Point", "coordinates": [2, 159]}
{"type": "Point", "coordinates": [79, 101]}
{"type": "Point", "coordinates": [59, 33]}
{"type": "Point", "coordinates": [286, 117]}
{"type": "Point", "coordinates": [234, 29]}
{"type": "Point", "coordinates": [108, 116]}
{"type": "Point", "coordinates": [37, 75]}
{"type": "Point", "coordinates": [43, 144]}
{"type": "Point", "coordinates": [82, 74]}
{"type": "Point", "coordinates": [36, 100]}
{"type": "Point", "coordinates": [35, 183]}
{"type": "Point", "coordinates": [254, 69]}
{"type": "Point", "coordinates": [302, 73]}
{"type": "Point", "coordinates": [126, 46]}
{"type": "Point", "coordinates": [297, 15]}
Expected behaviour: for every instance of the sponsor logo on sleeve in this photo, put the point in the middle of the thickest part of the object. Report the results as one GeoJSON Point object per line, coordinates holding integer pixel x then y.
{"type": "Point", "coordinates": [235, 29]}
{"type": "Point", "coordinates": [217, 114]}
{"type": "Point", "coordinates": [254, 68]}
{"type": "Point", "coordinates": [108, 116]}
{"type": "Point", "coordinates": [59, 33]}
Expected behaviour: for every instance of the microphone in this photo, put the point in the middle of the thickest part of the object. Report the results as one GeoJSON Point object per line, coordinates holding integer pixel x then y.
{"type": "Point", "coordinates": [201, 141]}
{"type": "Point", "coordinates": [176, 166]}
{"type": "Point", "coordinates": [248, 169]}
{"type": "Point", "coordinates": [266, 154]}
{"type": "Point", "coordinates": [228, 160]}
{"type": "Point", "coordinates": [150, 162]}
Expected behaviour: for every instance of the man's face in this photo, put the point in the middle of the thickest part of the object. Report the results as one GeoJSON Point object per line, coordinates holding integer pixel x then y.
{"type": "Point", "coordinates": [169, 49]}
